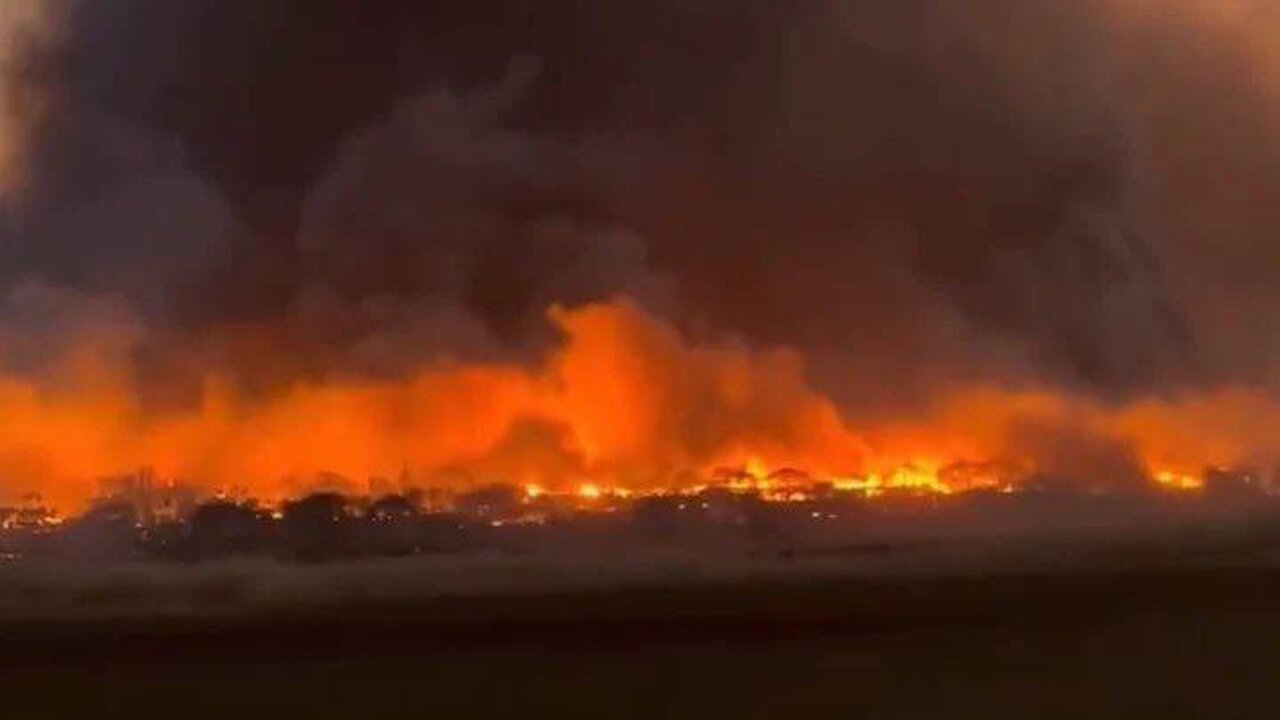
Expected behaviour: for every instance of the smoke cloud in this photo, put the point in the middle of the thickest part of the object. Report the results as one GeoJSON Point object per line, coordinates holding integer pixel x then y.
{"type": "Point", "coordinates": [829, 234]}
{"type": "Point", "coordinates": [22, 22]}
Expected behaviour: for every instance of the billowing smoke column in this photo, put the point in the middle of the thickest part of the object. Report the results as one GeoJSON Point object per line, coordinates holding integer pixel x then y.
{"type": "Point", "coordinates": [22, 23]}
{"type": "Point", "coordinates": [248, 242]}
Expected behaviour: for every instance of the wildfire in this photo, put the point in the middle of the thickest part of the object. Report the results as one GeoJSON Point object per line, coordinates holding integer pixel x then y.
{"type": "Point", "coordinates": [625, 405]}
{"type": "Point", "coordinates": [908, 478]}
{"type": "Point", "coordinates": [1178, 481]}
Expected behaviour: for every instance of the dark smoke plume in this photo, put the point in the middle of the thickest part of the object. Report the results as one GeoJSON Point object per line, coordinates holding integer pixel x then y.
{"type": "Point", "coordinates": [1078, 196]}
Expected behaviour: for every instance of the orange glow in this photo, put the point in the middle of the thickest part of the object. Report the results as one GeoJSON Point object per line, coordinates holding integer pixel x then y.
{"type": "Point", "coordinates": [624, 404]}
{"type": "Point", "coordinates": [913, 478]}
{"type": "Point", "coordinates": [1178, 481]}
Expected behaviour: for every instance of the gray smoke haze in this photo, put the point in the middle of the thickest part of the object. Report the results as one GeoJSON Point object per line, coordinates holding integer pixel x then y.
{"type": "Point", "coordinates": [1080, 195]}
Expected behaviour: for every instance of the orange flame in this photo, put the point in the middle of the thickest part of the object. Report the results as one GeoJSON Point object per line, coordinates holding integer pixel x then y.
{"type": "Point", "coordinates": [624, 403]}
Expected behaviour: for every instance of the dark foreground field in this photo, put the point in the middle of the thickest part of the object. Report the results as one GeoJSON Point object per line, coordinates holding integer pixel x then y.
{"type": "Point", "coordinates": [1201, 643]}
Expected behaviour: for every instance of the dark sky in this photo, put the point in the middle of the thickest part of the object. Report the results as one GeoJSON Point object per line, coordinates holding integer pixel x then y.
{"type": "Point", "coordinates": [1027, 191]}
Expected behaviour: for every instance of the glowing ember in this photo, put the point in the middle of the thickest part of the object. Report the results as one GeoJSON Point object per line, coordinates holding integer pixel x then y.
{"type": "Point", "coordinates": [1178, 481]}
{"type": "Point", "coordinates": [911, 478]}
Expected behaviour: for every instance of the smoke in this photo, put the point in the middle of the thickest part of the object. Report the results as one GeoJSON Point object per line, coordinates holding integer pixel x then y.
{"type": "Point", "coordinates": [830, 234]}
{"type": "Point", "coordinates": [21, 23]}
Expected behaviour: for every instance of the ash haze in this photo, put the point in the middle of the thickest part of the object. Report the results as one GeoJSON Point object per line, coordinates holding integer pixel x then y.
{"type": "Point", "coordinates": [250, 241]}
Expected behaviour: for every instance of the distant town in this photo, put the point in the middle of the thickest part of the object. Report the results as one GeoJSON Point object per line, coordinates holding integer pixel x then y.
{"type": "Point", "coordinates": [139, 516]}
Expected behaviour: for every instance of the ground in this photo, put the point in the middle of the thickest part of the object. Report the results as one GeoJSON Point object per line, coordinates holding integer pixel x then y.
{"type": "Point", "coordinates": [1196, 642]}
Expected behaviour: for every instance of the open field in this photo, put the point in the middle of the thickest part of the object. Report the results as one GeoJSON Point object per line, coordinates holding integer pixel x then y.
{"type": "Point", "coordinates": [1189, 641]}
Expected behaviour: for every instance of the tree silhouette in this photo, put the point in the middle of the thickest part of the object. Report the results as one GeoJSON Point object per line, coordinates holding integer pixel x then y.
{"type": "Point", "coordinates": [317, 527]}
{"type": "Point", "coordinates": [221, 527]}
